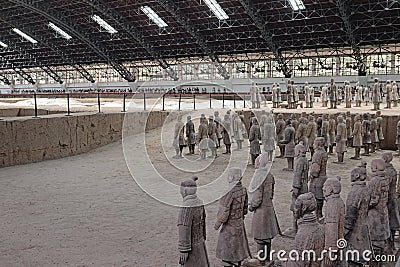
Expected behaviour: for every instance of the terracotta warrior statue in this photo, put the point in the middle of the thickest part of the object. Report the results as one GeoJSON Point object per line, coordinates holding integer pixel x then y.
{"type": "Point", "coordinates": [301, 133]}
{"type": "Point", "coordinates": [374, 133]}
{"type": "Point", "coordinates": [325, 131]}
{"type": "Point", "coordinates": [238, 129]}
{"type": "Point", "coordinates": [394, 216]}
{"type": "Point", "coordinates": [332, 132]}
{"type": "Point", "coordinates": [212, 136]}
{"type": "Point", "coordinates": [398, 136]}
{"type": "Point", "coordinates": [367, 95]}
{"type": "Point", "coordinates": [378, 216]}
{"type": "Point", "coordinates": [347, 94]}
{"type": "Point", "coordinates": [349, 129]}
{"type": "Point", "coordinates": [356, 230]}
{"type": "Point", "coordinates": [290, 95]}
{"type": "Point", "coordinates": [203, 137]}
{"type": "Point", "coordinates": [226, 136]}
{"type": "Point", "coordinates": [295, 94]}
{"type": "Point", "coordinates": [300, 178]}
{"type": "Point", "coordinates": [295, 122]}
{"type": "Point", "coordinates": [218, 121]}
{"type": "Point", "coordinates": [379, 120]}
{"type": "Point", "coordinates": [358, 96]}
{"type": "Point", "coordinates": [318, 173]}
{"type": "Point", "coordinates": [255, 96]}
{"type": "Point", "coordinates": [366, 134]}
{"type": "Point", "coordinates": [275, 102]}
{"type": "Point", "coordinates": [254, 138]}
{"type": "Point", "coordinates": [179, 137]}
{"type": "Point", "coordinates": [324, 95]}
{"type": "Point", "coordinates": [334, 216]}
{"type": "Point", "coordinates": [288, 141]}
{"type": "Point", "coordinates": [232, 246]}
{"type": "Point", "coordinates": [333, 93]}
{"type": "Point", "coordinates": [341, 138]}
{"type": "Point", "coordinates": [395, 94]}
{"type": "Point", "coordinates": [269, 137]}
{"type": "Point", "coordinates": [280, 129]}
{"type": "Point", "coordinates": [307, 92]}
{"type": "Point", "coordinates": [357, 137]}
{"type": "Point", "coordinates": [190, 134]}
{"type": "Point", "coordinates": [388, 94]}
{"type": "Point", "coordinates": [376, 93]}
{"type": "Point", "coordinates": [264, 225]}
{"type": "Point", "coordinates": [311, 133]}
{"type": "Point", "coordinates": [192, 227]}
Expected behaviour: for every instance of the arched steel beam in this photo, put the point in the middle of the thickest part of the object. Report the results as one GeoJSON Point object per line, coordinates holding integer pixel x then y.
{"type": "Point", "coordinates": [344, 7]}
{"type": "Point", "coordinates": [131, 31]}
{"type": "Point", "coordinates": [260, 23]}
{"type": "Point", "coordinates": [172, 7]}
{"type": "Point", "coordinates": [24, 75]}
{"type": "Point", "coordinates": [98, 48]}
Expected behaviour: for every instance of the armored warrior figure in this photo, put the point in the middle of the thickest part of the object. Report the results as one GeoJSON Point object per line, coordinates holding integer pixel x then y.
{"type": "Point", "coordinates": [324, 95]}
{"type": "Point", "coordinates": [357, 137]}
{"type": "Point", "coordinates": [388, 94]}
{"type": "Point", "coordinates": [358, 96]}
{"type": "Point", "coordinates": [349, 129]}
{"type": "Point", "coordinates": [255, 96]}
{"type": "Point", "coordinates": [231, 118]}
{"type": "Point", "coordinates": [325, 131]}
{"type": "Point", "coordinates": [269, 137]}
{"type": "Point", "coordinates": [212, 135]}
{"type": "Point", "coordinates": [347, 94]}
{"type": "Point", "coordinates": [374, 133]}
{"type": "Point", "coordinates": [393, 209]}
{"type": "Point", "coordinates": [254, 138]}
{"type": "Point", "coordinates": [179, 137]}
{"type": "Point", "coordinates": [380, 130]}
{"type": "Point", "coordinates": [332, 132]}
{"type": "Point", "coordinates": [226, 137]}
{"type": "Point", "coordinates": [318, 173]}
{"type": "Point", "coordinates": [395, 94]}
{"type": "Point", "coordinates": [280, 129]}
{"type": "Point", "coordinates": [367, 95]}
{"type": "Point", "coordinates": [279, 94]}
{"type": "Point", "coordinates": [265, 225]}
{"type": "Point", "coordinates": [366, 134]}
{"type": "Point", "coordinates": [295, 95]}
{"type": "Point", "coordinates": [290, 95]}
{"type": "Point", "coordinates": [217, 120]}
{"type": "Point", "coordinates": [301, 133]}
{"type": "Point", "coordinates": [356, 230]}
{"type": "Point", "coordinates": [334, 216]}
{"type": "Point", "coordinates": [238, 130]}
{"type": "Point", "coordinates": [203, 136]}
{"type": "Point", "coordinates": [319, 125]}
{"type": "Point", "coordinates": [341, 138]}
{"type": "Point", "coordinates": [232, 246]}
{"type": "Point", "coordinates": [295, 122]}
{"type": "Point", "coordinates": [310, 235]}
{"type": "Point", "coordinates": [333, 94]}
{"type": "Point", "coordinates": [275, 102]}
{"type": "Point", "coordinates": [311, 93]}
{"type": "Point", "coordinates": [190, 134]}
{"type": "Point", "coordinates": [192, 227]}
{"type": "Point", "coordinates": [378, 216]}
{"type": "Point", "coordinates": [307, 92]}
{"type": "Point", "coordinates": [311, 134]}
{"type": "Point", "coordinates": [398, 136]}
{"type": "Point", "coordinates": [300, 178]}
{"type": "Point", "coordinates": [289, 145]}
{"type": "Point", "coordinates": [376, 92]}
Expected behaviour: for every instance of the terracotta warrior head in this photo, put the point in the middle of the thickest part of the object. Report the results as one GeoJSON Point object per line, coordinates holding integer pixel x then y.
{"type": "Point", "coordinates": [358, 174]}
{"type": "Point", "coordinates": [378, 113]}
{"type": "Point", "coordinates": [305, 203]}
{"type": "Point", "coordinates": [387, 157]}
{"type": "Point", "coordinates": [311, 118]}
{"type": "Point", "coordinates": [216, 113]}
{"type": "Point", "coordinates": [280, 116]}
{"type": "Point", "coordinates": [325, 116]}
{"type": "Point", "coordinates": [179, 117]}
{"type": "Point", "coordinates": [365, 116]}
{"type": "Point", "coordinates": [234, 175]}
{"type": "Point", "coordinates": [388, 82]}
{"type": "Point", "coordinates": [378, 165]}
{"type": "Point", "coordinates": [288, 122]}
{"type": "Point", "coordinates": [340, 119]}
{"type": "Point", "coordinates": [357, 117]}
{"type": "Point", "coordinates": [189, 187]}
{"type": "Point", "coordinates": [299, 150]}
{"type": "Point", "coordinates": [332, 186]}
{"type": "Point", "coordinates": [319, 142]}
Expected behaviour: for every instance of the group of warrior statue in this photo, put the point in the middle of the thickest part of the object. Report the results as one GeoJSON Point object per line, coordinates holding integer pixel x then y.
{"type": "Point", "coordinates": [330, 93]}
{"type": "Point", "coordinates": [367, 221]}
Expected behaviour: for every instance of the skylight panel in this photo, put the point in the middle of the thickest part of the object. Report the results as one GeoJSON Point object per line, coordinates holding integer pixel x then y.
{"type": "Point", "coordinates": [216, 9]}
{"type": "Point", "coordinates": [297, 5]}
{"type": "Point", "coordinates": [59, 31]}
{"type": "Point", "coordinates": [25, 36]}
{"type": "Point", "coordinates": [153, 16]}
{"type": "Point", "coordinates": [104, 24]}
{"type": "Point", "coordinates": [3, 44]}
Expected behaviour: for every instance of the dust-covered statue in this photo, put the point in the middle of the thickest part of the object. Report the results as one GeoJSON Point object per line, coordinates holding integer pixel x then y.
{"type": "Point", "coordinates": [254, 138]}
{"type": "Point", "coordinates": [341, 138]}
{"type": "Point", "coordinates": [190, 134]}
{"type": "Point", "coordinates": [289, 143]}
{"type": "Point", "coordinates": [179, 137]}
{"type": "Point", "coordinates": [357, 137]}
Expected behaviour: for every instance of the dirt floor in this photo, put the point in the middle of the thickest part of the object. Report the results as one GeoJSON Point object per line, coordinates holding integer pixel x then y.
{"type": "Point", "coordinates": [87, 210]}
